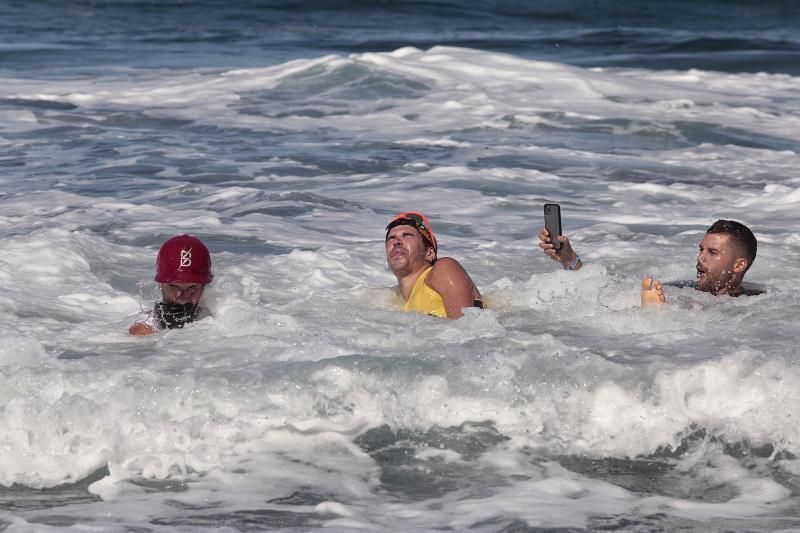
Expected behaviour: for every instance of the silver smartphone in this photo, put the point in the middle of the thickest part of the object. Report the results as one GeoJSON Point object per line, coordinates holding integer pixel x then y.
{"type": "Point", "coordinates": [552, 223]}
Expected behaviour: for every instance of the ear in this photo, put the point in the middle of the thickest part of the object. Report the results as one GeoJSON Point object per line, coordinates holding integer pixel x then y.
{"type": "Point", "coordinates": [740, 264]}
{"type": "Point", "coordinates": [430, 254]}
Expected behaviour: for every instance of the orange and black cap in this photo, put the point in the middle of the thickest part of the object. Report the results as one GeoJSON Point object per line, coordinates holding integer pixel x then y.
{"type": "Point", "coordinates": [416, 220]}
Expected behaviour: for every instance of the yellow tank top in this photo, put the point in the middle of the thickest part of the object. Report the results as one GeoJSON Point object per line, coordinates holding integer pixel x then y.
{"type": "Point", "coordinates": [423, 299]}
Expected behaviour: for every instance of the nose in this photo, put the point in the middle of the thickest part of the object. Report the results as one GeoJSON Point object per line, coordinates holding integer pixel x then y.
{"type": "Point", "coordinates": [183, 298]}
{"type": "Point", "coordinates": [184, 294]}
{"type": "Point", "coordinates": [189, 293]}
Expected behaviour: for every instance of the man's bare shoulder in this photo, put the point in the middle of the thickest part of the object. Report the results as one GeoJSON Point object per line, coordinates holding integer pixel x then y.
{"type": "Point", "coordinates": [449, 278]}
{"type": "Point", "coordinates": [447, 267]}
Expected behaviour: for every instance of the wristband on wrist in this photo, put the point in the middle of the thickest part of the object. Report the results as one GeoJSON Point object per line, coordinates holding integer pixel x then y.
{"type": "Point", "coordinates": [574, 263]}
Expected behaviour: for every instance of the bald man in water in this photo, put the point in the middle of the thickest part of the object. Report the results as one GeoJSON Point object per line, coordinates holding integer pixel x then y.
{"type": "Point", "coordinates": [727, 252]}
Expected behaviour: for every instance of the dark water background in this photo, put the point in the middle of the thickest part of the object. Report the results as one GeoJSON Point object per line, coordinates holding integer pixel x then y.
{"type": "Point", "coordinates": [735, 36]}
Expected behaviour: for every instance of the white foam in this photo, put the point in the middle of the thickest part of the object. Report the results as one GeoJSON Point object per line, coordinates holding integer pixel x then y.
{"type": "Point", "coordinates": [307, 350]}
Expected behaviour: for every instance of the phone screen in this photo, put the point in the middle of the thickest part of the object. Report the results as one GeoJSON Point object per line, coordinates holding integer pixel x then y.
{"type": "Point", "coordinates": [552, 223]}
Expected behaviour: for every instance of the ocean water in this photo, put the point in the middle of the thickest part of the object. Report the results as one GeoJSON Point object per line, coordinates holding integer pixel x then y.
{"type": "Point", "coordinates": [286, 135]}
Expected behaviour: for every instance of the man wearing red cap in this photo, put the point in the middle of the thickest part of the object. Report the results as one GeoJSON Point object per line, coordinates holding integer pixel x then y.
{"type": "Point", "coordinates": [436, 286]}
{"type": "Point", "coordinates": [183, 268]}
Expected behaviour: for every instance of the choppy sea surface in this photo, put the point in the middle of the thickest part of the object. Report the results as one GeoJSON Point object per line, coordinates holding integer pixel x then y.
{"type": "Point", "coordinates": [286, 135]}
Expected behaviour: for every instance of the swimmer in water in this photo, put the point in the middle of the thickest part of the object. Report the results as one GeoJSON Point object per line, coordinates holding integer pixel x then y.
{"type": "Point", "coordinates": [427, 284]}
{"type": "Point", "coordinates": [727, 252]}
{"type": "Point", "coordinates": [183, 269]}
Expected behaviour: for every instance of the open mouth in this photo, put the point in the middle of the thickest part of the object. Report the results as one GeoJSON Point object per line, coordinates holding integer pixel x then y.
{"type": "Point", "coordinates": [700, 271]}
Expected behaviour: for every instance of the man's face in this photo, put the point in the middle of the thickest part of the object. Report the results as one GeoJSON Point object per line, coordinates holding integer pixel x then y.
{"type": "Point", "coordinates": [406, 250]}
{"type": "Point", "coordinates": [718, 264]}
{"type": "Point", "coordinates": [182, 293]}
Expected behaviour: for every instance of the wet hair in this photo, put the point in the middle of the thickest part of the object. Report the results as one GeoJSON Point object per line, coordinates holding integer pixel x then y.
{"type": "Point", "coordinates": [742, 238]}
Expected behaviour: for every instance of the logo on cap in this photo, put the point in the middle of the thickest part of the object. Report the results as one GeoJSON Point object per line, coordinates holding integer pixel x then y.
{"type": "Point", "coordinates": [186, 258]}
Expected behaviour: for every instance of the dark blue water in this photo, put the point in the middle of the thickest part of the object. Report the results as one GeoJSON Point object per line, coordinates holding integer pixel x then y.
{"type": "Point", "coordinates": [47, 36]}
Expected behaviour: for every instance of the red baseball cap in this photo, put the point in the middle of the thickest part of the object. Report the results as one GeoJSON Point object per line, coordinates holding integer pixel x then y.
{"type": "Point", "coordinates": [183, 259]}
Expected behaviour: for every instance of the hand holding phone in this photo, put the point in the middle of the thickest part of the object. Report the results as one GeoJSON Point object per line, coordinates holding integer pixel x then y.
{"type": "Point", "coordinates": [554, 243]}
{"type": "Point", "coordinates": [552, 223]}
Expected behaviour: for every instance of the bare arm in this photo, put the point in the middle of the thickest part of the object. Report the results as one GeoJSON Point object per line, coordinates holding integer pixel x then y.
{"type": "Point", "coordinates": [452, 282]}
{"type": "Point", "coordinates": [566, 255]}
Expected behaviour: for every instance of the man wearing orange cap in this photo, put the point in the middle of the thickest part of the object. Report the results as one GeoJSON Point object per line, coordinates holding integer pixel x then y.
{"type": "Point", "coordinates": [183, 268]}
{"type": "Point", "coordinates": [436, 286]}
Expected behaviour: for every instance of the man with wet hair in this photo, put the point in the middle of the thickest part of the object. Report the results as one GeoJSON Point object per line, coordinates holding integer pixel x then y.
{"type": "Point", "coordinates": [183, 269]}
{"type": "Point", "coordinates": [427, 284]}
{"type": "Point", "coordinates": [727, 252]}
